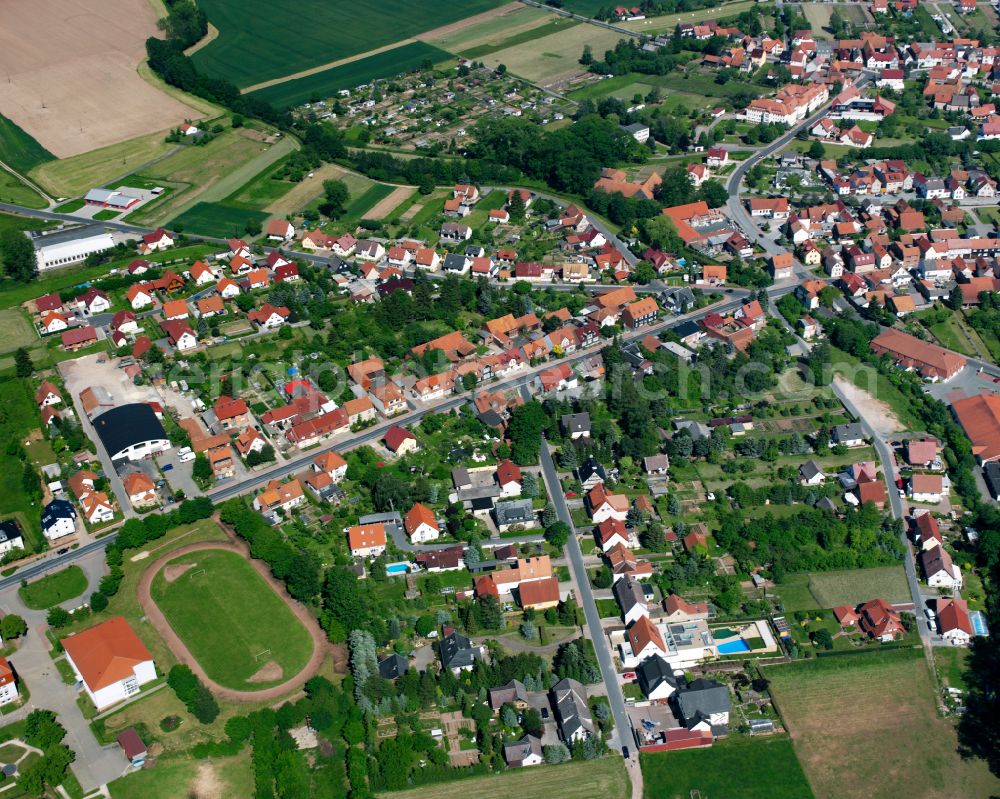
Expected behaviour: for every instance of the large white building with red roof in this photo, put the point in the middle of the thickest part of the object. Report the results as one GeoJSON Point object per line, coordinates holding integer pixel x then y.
{"type": "Point", "coordinates": [110, 661]}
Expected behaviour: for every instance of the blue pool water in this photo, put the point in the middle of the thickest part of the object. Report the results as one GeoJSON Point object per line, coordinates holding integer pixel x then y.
{"type": "Point", "coordinates": [978, 622]}
{"type": "Point", "coordinates": [397, 568]}
{"type": "Point", "coordinates": [732, 647]}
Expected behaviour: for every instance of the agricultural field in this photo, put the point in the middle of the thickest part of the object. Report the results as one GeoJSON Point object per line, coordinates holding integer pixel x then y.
{"type": "Point", "coordinates": [239, 630]}
{"type": "Point", "coordinates": [323, 84]}
{"type": "Point", "coordinates": [819, 14]}
{"type": "Point", "coordinates": [71, 177]}
{"type": "Point", "coordinates": [255, 45]}
{"type": "Point", "coordinates": [68, 61]}
{"type": "Point", "coordinates": [604, 778]}
{"type": "Point", "coordinates": [829, 589]}
{"type": "Point", "coordinates": [748, 768]}
{"type": "Point", "coordinates": [553, 57]}
{"type": "Point", "coordinates": [835, 707]}
{"type": "Point", "coordinates": [54, 589]}
{"type": "Point", "coordinates": [504, 29]}
{"type": "Point", "coordinates": [667, 22]}
{"type": "Point", "coordinates": [209, 173]}
{"type": "Point", "coordinates": [216, 219]}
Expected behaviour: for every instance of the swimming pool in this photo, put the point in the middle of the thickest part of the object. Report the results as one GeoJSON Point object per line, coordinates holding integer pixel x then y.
{"type": "Point", "coordinates": [401, 567]}
{"type": "Point", "coordinates": [978, 620]}
{"type": "Point", "coordinates": [734, 647]}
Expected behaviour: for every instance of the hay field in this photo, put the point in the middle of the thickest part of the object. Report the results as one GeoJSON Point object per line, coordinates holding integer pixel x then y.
{"type": "Point", "coordinates": [69, 75]}
{"type": "Point", "coordinates": [554, 57]}
{"type": "Point", "coordinates": [866, 727]}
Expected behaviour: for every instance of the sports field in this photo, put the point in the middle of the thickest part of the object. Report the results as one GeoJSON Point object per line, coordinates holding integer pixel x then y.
{"type": "Point", "coordinates": [748, 768]}
{"type": "Point", "coordinates": [321, 85]}
{"type": "Point", "coordinates": [590, 779]}
{"type": "Point", "coordinates": [866, 726]}
{"type": "Point", "coordinates": [256, 44]}
{"type": "Point", "coordinates": [231, 620]}
{"type": "Point", "coordinates": [850, 587]}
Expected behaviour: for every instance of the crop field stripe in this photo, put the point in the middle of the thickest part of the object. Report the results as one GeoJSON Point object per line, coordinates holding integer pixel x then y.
{"type": "Point", "coordinates": [19, 150]}
{"type": "Point", "coordinates": [323, 84]}
{"type": "Point", "coordinates": [257, 42]}
{"type": "Point", "coordinates": [215, 219]}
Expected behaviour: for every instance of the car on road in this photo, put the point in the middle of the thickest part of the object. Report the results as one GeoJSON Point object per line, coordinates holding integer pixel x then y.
{"type": "Point", "coordinates": [62, 551]}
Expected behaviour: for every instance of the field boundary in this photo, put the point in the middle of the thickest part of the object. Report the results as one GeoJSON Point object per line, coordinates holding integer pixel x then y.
{"type": "Point", "coordinates": [179, 648]}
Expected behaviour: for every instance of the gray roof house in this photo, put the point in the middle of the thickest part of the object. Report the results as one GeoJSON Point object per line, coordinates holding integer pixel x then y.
{"type": "Point", "coordinates": [526, 752]}
{"type": "Point", "coordinates": [631, 598]}
{"type": "Point", "coordinates": [458, 653]}
{"type": "Point", "coordinates": [591, 473]}
{"type": "Point", "coordinates": [512, 512]}
{"type": "Point", "coordinates": [656, 464]}
{"type": "Point", "coordinates": [811, 473]}
{"type": "Point", "coordinates": [850, 435]}
{"type": "Point", "coordinates": [572, 712]}
{"type": "Point", "coordinates": [393, 666]}
{"type": "Point", "coordinates": [656, 678]}
{"type": "Point", "coordinates": [704, 704]}
{"type": "Point", "coordinates": [576, 425]}
{"type": "Point", "coordinates": [513, 692]}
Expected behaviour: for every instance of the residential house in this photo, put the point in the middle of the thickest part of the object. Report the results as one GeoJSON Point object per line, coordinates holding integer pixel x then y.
{"type": "Point", "coordinates": [573, 715]}
{"type": "Point", "coordinates": [604, 505]}
{"type": "Point", "coordinates": [421, 524]}
{"type": "Point", "coordinates": [458, 653]}
{"type": "Point", "coordinates": [938, 568]}
{"type": "Point", "coordinates": [110, 661]}
{"type": "Point", "coordinates": [366, 540]}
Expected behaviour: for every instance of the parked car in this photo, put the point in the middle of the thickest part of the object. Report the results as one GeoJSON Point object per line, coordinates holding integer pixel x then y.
{"type": "Point", "coordinates": [168, 467]}
{"type": "Point", "coordinates": [187, 456]}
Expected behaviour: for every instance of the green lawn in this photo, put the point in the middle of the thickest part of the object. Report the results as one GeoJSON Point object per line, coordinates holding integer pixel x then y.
{"type": "Point", "coordinates": [950, 336]}
{"type": "Point", "coordinates": [738, 768]}
{"type": "Point", "coordinates": [231, 620]}
{"type": "Point", "coordinates": [836, 707]}
{"type": "Point", "coordinates": [54, 589]}
{"type": "Point", "coordinates": [850, 587]}
{"type": "Point", "coordinates": [19, 150]}
{"type": "Point", "coordinates": [170, 779]}
{"type": "Point", "coordinates": [324, 84]}
{"type": "Point", "coordinates": [14, 191]}
{"type": "Point", "coordinates": [19, 417]}
{"type": "Point", "coordinates": [360, 204]}
{"type": "Point", "coordinates": [255, 44]}
{"type": "Point", "coordinates": [951, 665]}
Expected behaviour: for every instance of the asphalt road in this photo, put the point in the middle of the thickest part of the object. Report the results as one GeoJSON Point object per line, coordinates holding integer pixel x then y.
{"type": "Point", "coordinates": [601, 646]}
{"type": "Point", "coordinates": [43, 565]}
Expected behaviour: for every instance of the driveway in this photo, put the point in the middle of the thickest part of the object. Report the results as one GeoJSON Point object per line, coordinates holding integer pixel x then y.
{"type": "Point", "coordinates": [95, 765]}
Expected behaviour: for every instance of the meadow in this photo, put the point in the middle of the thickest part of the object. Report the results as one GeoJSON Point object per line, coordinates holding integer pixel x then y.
{"type": "Point", "coordinates": [748, 768]}
{"type": "Point", "coordinates": [554, 56]}
{"type": "Point", "coordinates": [324, 84]}
{"type": "Point", "coordinates": [604, 778]}
{"type": "Point", "coordinates": [255, 44]}
{"type": "Point", "coordinates": [70, 177]}
{"type": "Point", "coordinates": [216, 219]}
{"type": "Point", "coordinates": [231, 620]}
{"type": "Point", "coordinates": [850, 587]}
{"type": "Point", "coordinates": [882, 704]}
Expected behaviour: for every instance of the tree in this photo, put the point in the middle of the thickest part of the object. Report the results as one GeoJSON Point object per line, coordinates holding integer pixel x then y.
{"type": "Point", "coordinates": [955, 299]}
{"type": "Point", "coordinates": [42, 730]}
{"type": "Point", "coordinates": [469, 381]}
{"type": "Point", "coordinates": [58, 617]}
{"type": "Point", "coordinates": [528, 631]}
{"type": "Point", "coordinates": [18, 255]}
{"type": "Point", "coordinates": [23, 366]}
{"type": "Point", "coordinates": [12, 626]}
{"type": "Point", "coordinates": [202, 469]}
{"type": "Point", "coordinates": [549, 516]}
{"type": "Point", "coordinates": [558, 534]}
{"type": "Point", "coordinates": [603, 578]}
{"type": "Point", "coordinates": [823, 638]}
{"type": "Point", "coordinates": [98, 602]}
{"type": "Point", "coordinates": [515, 207]}
{"type": "Point", "coordinates": [336, 196]}
{"type": "Point", "coordinates": [424, 625]}
{"type": "Point", "coordinates": [555, 754]}
{"type": "Point", "coordinates": [714, 193]}
{"type": "Point", "coordinates": [526, 426]}
{"type": "Point", "coordinates": [529, 485]}
{"type": "Point", "coordinates": [817, 151]}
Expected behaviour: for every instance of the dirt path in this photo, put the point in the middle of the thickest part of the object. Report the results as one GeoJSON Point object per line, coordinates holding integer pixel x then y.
{"type": "Point", "coordinates": [876, 412]}
{"type": "Point", "coordinates": [384, 207]}
{"type": "Point", "coordinates": [320, 645]}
